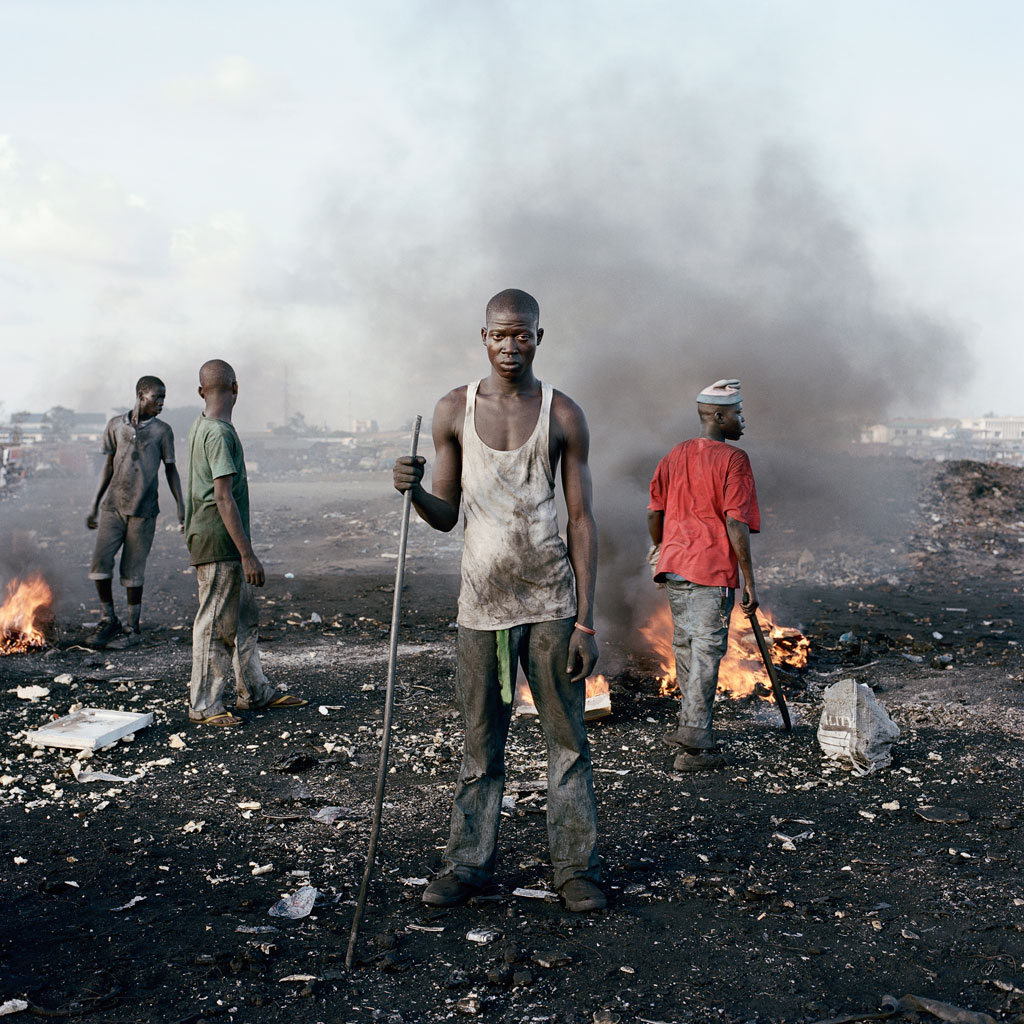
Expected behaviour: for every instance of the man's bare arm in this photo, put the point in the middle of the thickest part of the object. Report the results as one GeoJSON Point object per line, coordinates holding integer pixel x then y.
{"type": "Point", "coordinates": [440, 508]}
{"type": "Point", "coordinates": [655, 524]}
{"type": "Point", "coordinates": [174, 482]}
{"type": "Point", "coordinates": [106, 475]}
{"type": "Point", "coordinates": [581, 530]}
{"type": "Point", "coordinates": [232, 520]}
{"type": "Point", "coordinates": [739, 538]}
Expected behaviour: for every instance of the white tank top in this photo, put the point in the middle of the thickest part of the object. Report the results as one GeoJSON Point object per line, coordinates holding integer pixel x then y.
{"type": "Point", "coordinates": [515, 567]}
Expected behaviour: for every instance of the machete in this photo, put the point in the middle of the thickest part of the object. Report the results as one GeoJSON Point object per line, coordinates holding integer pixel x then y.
{"type": "Point", "coordinates": [769, 667]}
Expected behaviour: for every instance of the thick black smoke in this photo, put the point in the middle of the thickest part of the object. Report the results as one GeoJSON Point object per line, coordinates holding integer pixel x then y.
{"type": "Point", "coordinates": [661, 262]}
{"type": "Point", "coordinates": [670, 238]}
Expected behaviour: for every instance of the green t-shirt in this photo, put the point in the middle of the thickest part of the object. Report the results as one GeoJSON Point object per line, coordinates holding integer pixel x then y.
{"type": "Point", "coordinates": [214, 451]}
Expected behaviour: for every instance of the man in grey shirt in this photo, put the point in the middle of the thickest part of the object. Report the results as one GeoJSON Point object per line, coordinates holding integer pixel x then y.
{"type": "Point", "coordinates": [135, 444]}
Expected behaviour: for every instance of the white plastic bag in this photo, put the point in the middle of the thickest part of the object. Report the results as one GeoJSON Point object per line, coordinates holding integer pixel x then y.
{"type": "Point", "coordinates": [855, 726]}
{"type": "Point", "coordinates": [297, 905]}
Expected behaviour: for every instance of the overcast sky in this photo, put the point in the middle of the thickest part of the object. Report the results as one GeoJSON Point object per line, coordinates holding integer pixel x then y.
{"type": "Point", "coordinates": [327, 193]}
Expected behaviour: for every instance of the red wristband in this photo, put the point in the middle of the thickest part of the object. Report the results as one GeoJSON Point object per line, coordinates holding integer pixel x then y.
{"type": "Point", "coordinates": [585, 629]}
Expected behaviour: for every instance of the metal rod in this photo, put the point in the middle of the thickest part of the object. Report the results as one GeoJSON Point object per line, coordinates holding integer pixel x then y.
{"type": "Point", "coordinates": [389, 703]}
{"type": "Point", "coordinates": [769, 667]}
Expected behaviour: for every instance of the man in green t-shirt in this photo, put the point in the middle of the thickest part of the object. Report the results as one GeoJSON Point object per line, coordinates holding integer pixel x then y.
{"type": "Point", "coordinates": [226, 629]}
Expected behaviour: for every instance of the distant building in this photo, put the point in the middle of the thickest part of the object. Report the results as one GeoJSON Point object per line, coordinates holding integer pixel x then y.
{"type": "Point", "coordinates": [905, 431]}
{"type": "Point", "coordinates": [995, 428]}
{"type": "Point", "coordinates": [984, 439]}
{"type": "Point", "coordinates": [364, 426]}
{"type": "Point", "coordinates": [88, 426]}
{"type": "Point", "coordinates": [34, 428]}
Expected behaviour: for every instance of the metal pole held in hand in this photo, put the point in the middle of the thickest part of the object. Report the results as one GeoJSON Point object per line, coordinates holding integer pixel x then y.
{"type": "Point", "coordinates": [389, 703]}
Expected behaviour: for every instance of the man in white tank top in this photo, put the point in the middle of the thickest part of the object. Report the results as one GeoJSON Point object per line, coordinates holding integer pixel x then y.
{"type": "Point", "coordinates": [526, 597]}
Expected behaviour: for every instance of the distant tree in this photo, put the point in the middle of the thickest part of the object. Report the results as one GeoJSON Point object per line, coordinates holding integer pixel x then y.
{"type": "Point", "coordinates": [21, 417]}
{"type": "Point", "coordinates": [297, 426]}
{"type": "Point", "coordinates": [61, 420]}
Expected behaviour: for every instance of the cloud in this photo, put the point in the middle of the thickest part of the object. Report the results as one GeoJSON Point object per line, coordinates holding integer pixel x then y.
{"type": "Point", "coordinates": [233, 83]}
{"type": "Point", "coordinates": [97, 282]}
{"type": "Point", "coordinates": [48, 210]}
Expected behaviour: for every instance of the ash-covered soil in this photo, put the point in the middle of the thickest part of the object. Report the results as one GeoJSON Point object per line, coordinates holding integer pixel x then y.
{"type": "Point", "coordinates": [784, 888]}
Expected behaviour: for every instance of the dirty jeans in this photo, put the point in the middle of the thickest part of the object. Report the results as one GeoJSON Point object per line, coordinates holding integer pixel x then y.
{"type": "Point", "coordinates": [542, 648]}
{"type": "Point", "coordinates": [700, 636]}
{"type": "Point", "coordinates": [225, 635]}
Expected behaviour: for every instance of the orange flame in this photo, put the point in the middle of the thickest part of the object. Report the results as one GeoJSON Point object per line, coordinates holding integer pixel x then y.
{"type": "Point", "coordinates": [597, 703]}
{"type": "Point", "coordinates": [20, 612]}
{"type": "Point", "coordinates": [741, 669]}
{"type": "Point", "coordinates": [596, 686]}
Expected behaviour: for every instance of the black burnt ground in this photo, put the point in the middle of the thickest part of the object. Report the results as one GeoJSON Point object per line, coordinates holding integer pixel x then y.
{"type": "Point", "coordinates": [783, 888]}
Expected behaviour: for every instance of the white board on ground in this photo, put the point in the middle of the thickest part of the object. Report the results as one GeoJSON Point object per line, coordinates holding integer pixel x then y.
{"type": "Point", "coordinates": [89, 728]}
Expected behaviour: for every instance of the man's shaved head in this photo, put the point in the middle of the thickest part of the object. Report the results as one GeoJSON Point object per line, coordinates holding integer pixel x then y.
{"type": "Point", "coordinates": [721, 422]}
{"type": "Point", "coordinates": [513, 300]}
{"type": "Point", "coordinates": [148, 383]}
{"type": "Point", "coordinates": [216, 375]}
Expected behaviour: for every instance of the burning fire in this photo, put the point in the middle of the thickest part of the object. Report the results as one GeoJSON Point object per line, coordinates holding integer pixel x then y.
{"type": "Point", "coordinates": [598, 698]}
{"type": "Point", "coordinates": [26, 602]}
{"type": "Point", "coordinates": [741, 669]}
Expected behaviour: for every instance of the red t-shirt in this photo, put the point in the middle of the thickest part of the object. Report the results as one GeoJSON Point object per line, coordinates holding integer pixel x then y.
{"type": "Point", "coordinates": [697, 485]}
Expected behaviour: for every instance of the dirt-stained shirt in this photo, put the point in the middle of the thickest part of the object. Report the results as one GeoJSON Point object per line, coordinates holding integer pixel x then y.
{"type": "Point", "coordinates": [515, 566]}
{"type": "Point", "coordinates": [138, 450]}
{"type": "Point", "coordinates": [698, 485]}
{"type": "Point", "coordinates": [214, 450]}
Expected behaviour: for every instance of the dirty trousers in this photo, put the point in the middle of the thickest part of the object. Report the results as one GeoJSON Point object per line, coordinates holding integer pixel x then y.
{"type": "Point", "coordinates": [542, 648]}
{"type": "Point", "coordinates": [700, 637]}
{"type": "Point", "coordinates": [225, 635]}
{"type": "Point", "coordinates": [133, 535]}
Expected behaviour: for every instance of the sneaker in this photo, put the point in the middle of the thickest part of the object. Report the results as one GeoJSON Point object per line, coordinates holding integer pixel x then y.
{"type": "Point", "coordinates": [581, 895]}
{"type": "Point", "coordinates": [448, 891]}
{"type": "Point", "coordinates": [106, 631]}
{"type": "Point", "coordinates": [699, 760]}
{"type": "Point", "coordinates": [133, 639]}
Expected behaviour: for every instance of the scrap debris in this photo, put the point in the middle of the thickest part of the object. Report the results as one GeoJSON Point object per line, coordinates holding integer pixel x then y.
{"type": "Point", "coordinates": [89, 729]}
{"type": "Point", "coordinates": [297, 905]}
{"type": "Point", "coordinates": [893, 881]}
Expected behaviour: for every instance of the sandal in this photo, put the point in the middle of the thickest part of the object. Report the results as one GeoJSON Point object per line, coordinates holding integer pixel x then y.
{"type": "Point", "coordinates": [285, 700]}
{"type": "Point", "coordinates": [225, 718]}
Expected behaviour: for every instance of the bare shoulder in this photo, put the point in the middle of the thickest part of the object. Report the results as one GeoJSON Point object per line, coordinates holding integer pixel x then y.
{"type": "Point", "coordinates": [450, 411]}
{"type": "Point", "coordinates": [568, 417]}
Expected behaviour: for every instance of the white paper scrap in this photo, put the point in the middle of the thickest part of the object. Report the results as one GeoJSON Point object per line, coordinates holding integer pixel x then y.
{"type": "Point", "coordinates": [128, 906]}
{"type": "Point", "coordinates": [535, 894]}
{"type": "Point", "coordinates": [83, 775]}
{"type": "Point", "coordinates": [32, 693]}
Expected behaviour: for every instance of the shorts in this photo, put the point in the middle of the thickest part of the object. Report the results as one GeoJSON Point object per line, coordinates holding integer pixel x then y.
{"type": "Point", "coordinates": [132, 533]}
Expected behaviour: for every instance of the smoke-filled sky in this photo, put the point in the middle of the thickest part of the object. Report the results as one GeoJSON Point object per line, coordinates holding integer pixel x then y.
{"type": "Point", "coordinates": [820, 198]}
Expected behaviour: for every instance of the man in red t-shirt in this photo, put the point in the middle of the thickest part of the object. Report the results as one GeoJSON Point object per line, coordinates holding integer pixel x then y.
{"type": "Point", "coordinates": [702, 512]}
